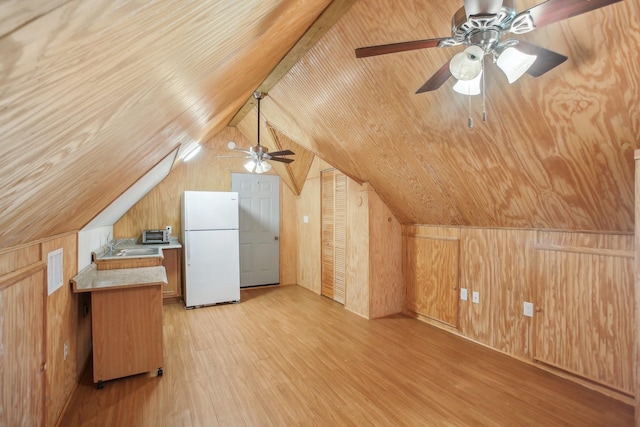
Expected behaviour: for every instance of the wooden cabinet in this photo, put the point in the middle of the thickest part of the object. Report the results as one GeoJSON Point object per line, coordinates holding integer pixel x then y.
{"type": "Point", "coordinates": [126, 319]}
{"type": "Point", "coordinates": [172, 291]}
{"type": "Point", "coordinates": [432, 277]}
{"type": "Point", "coordinates": [127, 332]}
{"type": "Point", "coordinates": [585, 310]}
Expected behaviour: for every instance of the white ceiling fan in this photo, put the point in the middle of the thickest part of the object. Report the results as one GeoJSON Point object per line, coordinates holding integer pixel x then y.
{"type": "Point", "coordinates": [259, 154]}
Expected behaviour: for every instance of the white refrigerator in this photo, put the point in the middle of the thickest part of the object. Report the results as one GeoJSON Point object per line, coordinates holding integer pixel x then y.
{"type": "Point", "coordinates": [211, 247]}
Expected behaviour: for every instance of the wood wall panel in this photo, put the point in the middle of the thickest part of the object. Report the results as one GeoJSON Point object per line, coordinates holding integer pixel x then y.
{"type": "Point", "coordinates": [432, 274]}
{"type": "Point", "coordinates": [62, 326]}
{"type": "Point", "coordinates": [288, 237]}
{"type": "Point", "coordinates": [580, 283]}
{"type": "Point", "coordinates": [359, 263]}
{"type": "Point", "coordinates": [22, 355]}
{"type": "Point", "coordinates": [386, 284]}
{"type": "Point", "coordinates": [498, 264]}
{"type": "Point", "coordinates": [586, 320]}
{"type": "Point", "coordinates": [308, 245]}
{"type": "Point", "coordinates": [16, 259]}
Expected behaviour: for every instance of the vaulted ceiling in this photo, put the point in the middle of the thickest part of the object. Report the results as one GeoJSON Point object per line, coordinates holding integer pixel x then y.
{"type": "Point", "coordinates": [94, 93]}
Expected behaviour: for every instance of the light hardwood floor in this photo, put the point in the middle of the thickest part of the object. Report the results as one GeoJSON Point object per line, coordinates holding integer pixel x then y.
{"type": "Point", "coordinates": [286, 356]}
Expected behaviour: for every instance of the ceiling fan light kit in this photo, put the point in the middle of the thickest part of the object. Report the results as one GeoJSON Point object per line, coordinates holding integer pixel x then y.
{"type": "Point", "coordinates": [514, 63]}
{"type": "Point", "coordinates": [469, 87]}
{"type": "Point", "coordinates": [467, 65]}
{"type": "Point", "coordinates": [480, 25]}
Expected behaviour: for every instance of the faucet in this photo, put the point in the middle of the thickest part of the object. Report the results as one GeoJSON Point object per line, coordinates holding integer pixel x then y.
{"type": "Point", "coordinates": [111, 245]}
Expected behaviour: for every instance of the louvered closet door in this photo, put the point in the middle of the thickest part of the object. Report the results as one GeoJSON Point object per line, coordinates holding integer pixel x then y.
{"type": "Point", "coordinates": [339, 236]}
{"type": "Point", "coordinates": [327, 233]}
{"type": "Point", "coordinates": [334, 234]}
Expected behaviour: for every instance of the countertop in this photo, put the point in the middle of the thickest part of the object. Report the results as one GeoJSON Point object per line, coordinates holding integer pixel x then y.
{"type": "Point", "coordinates": [91, 279]}
{"type": "Point", "coordinates": [133, 243]}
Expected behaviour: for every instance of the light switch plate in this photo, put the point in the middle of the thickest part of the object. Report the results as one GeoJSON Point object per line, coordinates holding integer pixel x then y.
{"type": "Point", "coordinates": [305, 219]}
{"type": "Point", "coordinates": [528, 309]}
{"type": "Point", "coordinates": [464, 296]}
{"type": "Point", "coordinates": [475, 297]}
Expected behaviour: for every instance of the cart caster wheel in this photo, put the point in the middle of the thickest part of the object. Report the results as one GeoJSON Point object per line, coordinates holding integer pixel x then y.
{"type": "Point", "coordinates": [160, 372]}
{"type": "Point", "coordinates": [100, 385]}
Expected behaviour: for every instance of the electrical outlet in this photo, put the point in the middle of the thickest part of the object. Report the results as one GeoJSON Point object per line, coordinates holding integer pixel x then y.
{"type": "Point", "coordinates": [168, 228]}
{"type": "Point", "coordinates": [66, 350]}
{"type": "Point", "coordinates": [464, 296]}
{"type": "Point", "coordinates": [528, 309]}
{"type": "Point", "coordinates": [475, 297]}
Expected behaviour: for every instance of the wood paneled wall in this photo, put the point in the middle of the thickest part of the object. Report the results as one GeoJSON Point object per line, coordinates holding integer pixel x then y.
{"type": "Point", "coordinates": [34, 328]}
{"type": "Point", "coordinates": [358, 260]}
{"type": "Point", "coordinates": [497, 264]}
{"type": "Point", "coordinates": [386, 285]}
{"type": "Point", "coordinates": [581, 285]}
{"type": "Point", "coordinates": [308, 233]}
{"type": "Point", "coordinates": [22, 357]}
{"type": "Point", "coordinates": [374, 283]}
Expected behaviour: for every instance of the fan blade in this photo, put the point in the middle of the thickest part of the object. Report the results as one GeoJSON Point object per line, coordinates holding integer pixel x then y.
{"type": "Point", "coordinates": [233, 157]}
{"type": "Point", "coordinates": [282, 153]}
{"type": "Point", "coordinates": [242, 151]}
{"type": "Point", "coordinates": [556, 10]}
{"type": "Point", "coordinates": [383, 49]}
{"type": "Point", "coordinates": [437, 80]}
{"type": "Point", "coordinates": [281, 159]}
{"type": "Point", "coordinates": [545, 61]}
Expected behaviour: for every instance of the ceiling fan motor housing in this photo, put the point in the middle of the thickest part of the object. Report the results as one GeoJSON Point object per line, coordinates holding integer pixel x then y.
{"type": "Point", "coordinates": [482, 30]}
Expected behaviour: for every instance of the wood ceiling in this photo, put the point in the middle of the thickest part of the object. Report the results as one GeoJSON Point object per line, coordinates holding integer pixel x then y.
{"type": "Point", "coordinates": [93, 93]}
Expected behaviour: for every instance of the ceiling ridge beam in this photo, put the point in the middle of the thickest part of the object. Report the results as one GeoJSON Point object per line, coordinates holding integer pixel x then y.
{"type": "Point", "coordinates": [327, 18]}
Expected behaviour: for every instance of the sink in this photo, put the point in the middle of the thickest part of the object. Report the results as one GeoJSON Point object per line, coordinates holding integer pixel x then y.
{"type": "Point", "coordinates": [136, 252]}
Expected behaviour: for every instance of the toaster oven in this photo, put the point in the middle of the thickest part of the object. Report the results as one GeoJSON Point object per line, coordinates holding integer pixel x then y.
{"type": "Point", "coordinates": [155, 236]}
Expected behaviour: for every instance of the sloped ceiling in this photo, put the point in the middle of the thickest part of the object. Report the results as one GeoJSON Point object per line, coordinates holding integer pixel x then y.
{"type": "Point", "coordinates": [94, 93]}
{"type": "Point", "coordinates": [556, 151]}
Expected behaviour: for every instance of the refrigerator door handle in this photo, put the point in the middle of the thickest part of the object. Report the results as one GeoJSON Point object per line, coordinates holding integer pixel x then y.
{"type": "Point", "coordinates": [186, 249]}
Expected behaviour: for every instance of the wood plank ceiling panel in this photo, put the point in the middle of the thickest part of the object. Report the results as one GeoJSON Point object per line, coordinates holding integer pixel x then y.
{"type": "Point", "coordinates": [555, 152]}
{"type": "Point", "coordinates": [94, 93]}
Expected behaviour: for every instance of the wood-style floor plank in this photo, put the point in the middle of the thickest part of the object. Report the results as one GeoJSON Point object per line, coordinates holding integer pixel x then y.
{"type": "Point", "coordinates": [286, 356]}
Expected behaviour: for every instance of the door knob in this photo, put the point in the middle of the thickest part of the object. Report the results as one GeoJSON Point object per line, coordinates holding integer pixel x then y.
{"type": "Point", "coordinates": [276, 238]}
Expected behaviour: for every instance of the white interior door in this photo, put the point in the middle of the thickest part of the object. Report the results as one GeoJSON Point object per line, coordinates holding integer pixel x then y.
{"type": "Point", "coordinates": [259, 208]}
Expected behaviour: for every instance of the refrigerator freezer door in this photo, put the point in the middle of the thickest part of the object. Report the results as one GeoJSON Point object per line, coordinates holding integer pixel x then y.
{"type": "Point", "coordinates": [210, 210]}
{"type": "Point", "coordinates": [212, 267]}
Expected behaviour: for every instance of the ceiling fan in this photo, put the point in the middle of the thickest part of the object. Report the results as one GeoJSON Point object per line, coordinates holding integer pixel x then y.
{"type": "Point", "coordinates": [258, 153]}
{"type": "Point", "coordinates": [481, 25]}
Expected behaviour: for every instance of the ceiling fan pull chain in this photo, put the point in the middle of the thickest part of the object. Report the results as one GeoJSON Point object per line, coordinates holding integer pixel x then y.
{"type": "Point", "coordinates": [470, 118]}
{"type": "Point", "coordinates": [484, 97]}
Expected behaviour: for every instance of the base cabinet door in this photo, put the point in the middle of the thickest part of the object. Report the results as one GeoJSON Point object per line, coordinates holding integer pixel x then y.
{"type": "Point", "coordinates": [172, 292]}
